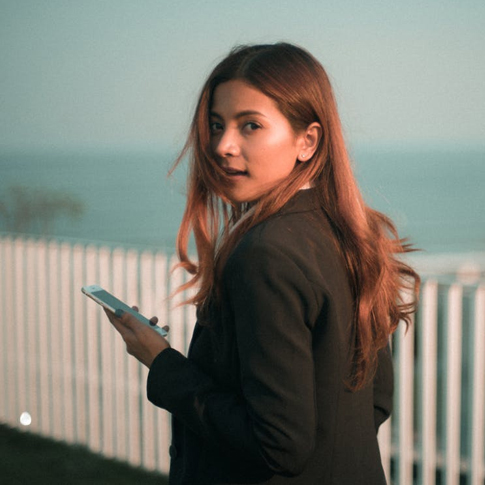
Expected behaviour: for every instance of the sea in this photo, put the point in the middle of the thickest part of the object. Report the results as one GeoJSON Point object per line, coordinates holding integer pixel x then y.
{"type": "Point", "coordinates": [436, 196]}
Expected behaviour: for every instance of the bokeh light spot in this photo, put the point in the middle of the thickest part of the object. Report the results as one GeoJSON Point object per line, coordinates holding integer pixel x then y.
{"type": "Point", "coordinates": [25, 419]}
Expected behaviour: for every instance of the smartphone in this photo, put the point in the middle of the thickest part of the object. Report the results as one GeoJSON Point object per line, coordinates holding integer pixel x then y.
{"type": "Point", "coordinates": [110, 302]}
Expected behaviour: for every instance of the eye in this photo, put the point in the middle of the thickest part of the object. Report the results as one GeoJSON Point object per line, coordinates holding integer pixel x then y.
{"type": "Point", "coordinates": [251, 126]}
{"type": "Point", "coordinates": [215, 127]}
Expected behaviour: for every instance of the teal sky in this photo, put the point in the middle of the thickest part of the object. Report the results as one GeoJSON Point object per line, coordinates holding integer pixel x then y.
{"type": "Point", "coordinates": [126, 73]}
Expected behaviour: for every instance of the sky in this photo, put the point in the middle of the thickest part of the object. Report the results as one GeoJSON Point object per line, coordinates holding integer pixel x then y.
{"type": "Point", "coordinates": [123, 74]}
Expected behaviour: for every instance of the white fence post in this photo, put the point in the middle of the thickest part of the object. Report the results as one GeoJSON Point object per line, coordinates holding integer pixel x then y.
{"type": "Point", "coordinates": [453, 384]}
{"type": "Point", "coordinates": [92, 324]}
{"type": "Point", "coordinates": [45, 371]}
{"type": "Point", "coordinates": [134, 367]}
{"type": "Point", "coordinates": [68, 342]}
{"type": "Point", "coordinates": [20, 331]}
{"type": "Point", "coordinates": [429, 334]}
{"type": "Point", "coordinates": [406, 403]}
{"type": "Point", "coordinates": [107, 338]}
{"type": "Point", "coordinates": [478, 403]}
{"type": "Point", "coordinates": [9, 315]}
{"type": "Point", "coordinates": [3, 334]}
{"type": "Point", "coordinates": [31, 322]}
{"type": "Point", "coordinates": [56, 355]}
{"type": "Point", "coordinates": [81, 416]}
{"type": "Point", "coordinates": [121, 361]}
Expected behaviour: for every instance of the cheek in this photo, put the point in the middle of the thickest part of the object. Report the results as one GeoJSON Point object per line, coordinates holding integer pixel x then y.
{"type": "Point", "coordinates": [279, 145]}
{"type": "Point", "coordinates": [285, 154]}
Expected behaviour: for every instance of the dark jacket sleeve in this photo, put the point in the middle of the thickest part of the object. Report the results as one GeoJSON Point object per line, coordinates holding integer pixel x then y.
{"type": "Point", "coordinates": [273, 419]}
{"type": "Point", "coordinates": [383, 387]}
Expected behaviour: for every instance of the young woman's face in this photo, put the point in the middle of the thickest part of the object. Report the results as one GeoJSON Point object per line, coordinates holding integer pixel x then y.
{"type": "Point", "coordinates": [252, 140]}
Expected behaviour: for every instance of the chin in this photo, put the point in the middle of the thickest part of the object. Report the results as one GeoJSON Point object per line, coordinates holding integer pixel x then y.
{"type": "Point", "coordinates": [244, 197]}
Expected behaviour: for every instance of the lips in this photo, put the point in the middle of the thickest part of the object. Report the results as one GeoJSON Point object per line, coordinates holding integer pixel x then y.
{"type": "Point", "coordinates": [233, 172]}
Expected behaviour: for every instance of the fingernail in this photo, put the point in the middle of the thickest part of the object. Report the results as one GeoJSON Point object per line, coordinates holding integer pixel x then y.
{"type": "Point", "coordinates": [119, 312]}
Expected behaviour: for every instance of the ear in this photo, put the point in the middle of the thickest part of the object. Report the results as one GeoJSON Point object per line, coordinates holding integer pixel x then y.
{"type": "Point", "coordinates": [309, 140]}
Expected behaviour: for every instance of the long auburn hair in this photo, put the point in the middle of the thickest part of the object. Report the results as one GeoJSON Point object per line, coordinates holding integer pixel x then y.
{"type": "Point", "coordinates": [380, 281]}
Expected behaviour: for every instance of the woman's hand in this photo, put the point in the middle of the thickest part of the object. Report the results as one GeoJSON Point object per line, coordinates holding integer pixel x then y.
{"type": "Point", "coordinates": [141, 341]}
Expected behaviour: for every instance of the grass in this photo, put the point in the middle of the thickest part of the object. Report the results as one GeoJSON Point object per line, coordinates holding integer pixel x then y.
{"type": "Point", "coordinates": [29, 458]}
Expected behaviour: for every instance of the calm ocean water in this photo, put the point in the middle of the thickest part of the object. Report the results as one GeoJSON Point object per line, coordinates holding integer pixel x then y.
{"type": "Point", "coordinates": [436, 197]}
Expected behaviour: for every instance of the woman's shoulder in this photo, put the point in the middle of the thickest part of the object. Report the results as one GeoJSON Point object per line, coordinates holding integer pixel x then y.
{"type": "Point", "coordinates": [300, 225]}
{"type": "Point", "coordinates": [287, 231]}
{"type": "Point", "coordinates": [298, 237]}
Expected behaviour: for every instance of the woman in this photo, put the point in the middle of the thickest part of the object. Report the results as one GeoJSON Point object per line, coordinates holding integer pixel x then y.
{"type": "Point", "coordinates": [298, 283]}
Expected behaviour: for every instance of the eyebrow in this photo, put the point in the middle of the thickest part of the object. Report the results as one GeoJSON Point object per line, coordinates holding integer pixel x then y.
{"type": "Point", "coordinates": [241, 114]}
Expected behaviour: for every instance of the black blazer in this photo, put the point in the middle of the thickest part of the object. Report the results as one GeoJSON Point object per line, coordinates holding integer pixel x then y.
{"type": "Point", "coordinates": [261, 397]}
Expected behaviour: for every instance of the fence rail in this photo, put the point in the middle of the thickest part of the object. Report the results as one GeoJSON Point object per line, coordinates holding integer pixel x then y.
{"type": "Point", "coordinates": [62, 364]}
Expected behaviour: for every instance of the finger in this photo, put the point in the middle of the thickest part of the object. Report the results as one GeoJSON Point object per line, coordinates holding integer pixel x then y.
{"type": "Point", "coordinates": [153, 320]}
{"type": "Point", "coordinates": [124, 318]}
{"type": "Point", "coordinates": [119, 326]}
{"type": "Point", "coordinates": [128, 319]}
{"type": "Point", "coordinates": [111, 316]}
{"type": "Point", "coordinates": [166, 328]}
{"type": "Point", "coordinates": [116, 322]}
{"type": "Point", "coordinates": [135, 308]}
{"type": "Point", "coordinates": [119, 313]}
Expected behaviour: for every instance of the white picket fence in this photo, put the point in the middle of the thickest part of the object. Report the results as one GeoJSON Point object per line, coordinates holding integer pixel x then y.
{"type": "Point", "coordinates": [61, 362]}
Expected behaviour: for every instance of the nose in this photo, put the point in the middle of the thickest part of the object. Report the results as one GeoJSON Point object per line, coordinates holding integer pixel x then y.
{"type": "Point", "coordinates": [226, 145]}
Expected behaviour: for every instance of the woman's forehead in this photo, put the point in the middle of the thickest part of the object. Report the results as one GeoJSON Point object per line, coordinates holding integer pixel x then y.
{"type": "Point", "coordinates": [238, 97]}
